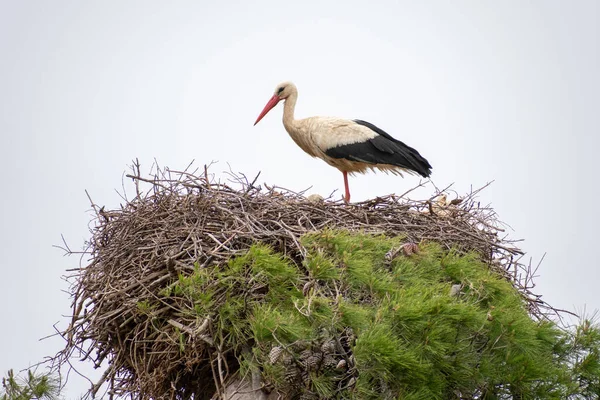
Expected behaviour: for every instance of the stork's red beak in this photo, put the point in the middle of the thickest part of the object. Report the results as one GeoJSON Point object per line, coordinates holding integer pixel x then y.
{"type": "Point", "coordinates": [272, 103]}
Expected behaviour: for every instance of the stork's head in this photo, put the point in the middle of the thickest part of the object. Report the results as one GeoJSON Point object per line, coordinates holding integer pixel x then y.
{"type": "Point", "coordinates": [282, 92]}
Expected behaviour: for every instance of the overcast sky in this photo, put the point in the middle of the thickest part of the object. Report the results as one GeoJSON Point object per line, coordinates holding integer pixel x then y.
{"type": "Point", "coordinates": [485, 90]}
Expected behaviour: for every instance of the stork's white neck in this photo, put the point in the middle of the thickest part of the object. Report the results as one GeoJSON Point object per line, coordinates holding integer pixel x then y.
{"type": "Point", "coordinates": [297, 129]}
{"type": "Point", "coordinates": [288, 111]}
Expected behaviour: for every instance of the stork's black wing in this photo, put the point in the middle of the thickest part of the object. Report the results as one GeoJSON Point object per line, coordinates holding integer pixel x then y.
{"type": "Point", "coordinates": [382, 149]}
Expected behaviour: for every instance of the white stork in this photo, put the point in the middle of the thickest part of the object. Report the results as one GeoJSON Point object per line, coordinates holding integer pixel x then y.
{"type": "Point", "coordinates": [352, 146]}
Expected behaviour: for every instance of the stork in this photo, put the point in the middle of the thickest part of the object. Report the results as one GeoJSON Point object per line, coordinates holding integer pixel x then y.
{"type": "Point", "coordinates": [351, 146]}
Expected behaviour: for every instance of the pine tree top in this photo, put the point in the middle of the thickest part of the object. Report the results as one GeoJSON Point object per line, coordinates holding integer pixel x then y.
{"type": "Point", "coordinates": [194, 287]}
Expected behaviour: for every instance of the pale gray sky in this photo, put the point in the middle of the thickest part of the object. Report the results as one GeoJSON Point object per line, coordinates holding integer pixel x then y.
{"type": "Point", "coordinates": [485, 90]}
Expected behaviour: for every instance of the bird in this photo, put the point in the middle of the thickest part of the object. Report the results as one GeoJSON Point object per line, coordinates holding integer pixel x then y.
{"type": "Point", "coordinates": [351, 146]}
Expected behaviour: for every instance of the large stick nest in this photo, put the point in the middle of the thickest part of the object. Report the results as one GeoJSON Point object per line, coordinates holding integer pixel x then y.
{"type": "Point", "coordinates": [186, 220]}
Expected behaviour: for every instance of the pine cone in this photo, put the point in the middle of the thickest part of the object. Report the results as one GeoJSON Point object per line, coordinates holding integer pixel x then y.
{"type": "Point", "coordinates": [287, 359]}
{"type": "Point", "coordinates": [329, 363]}
{"type": "Point", "coordinates": [292, 375]}
{"type": "Point", "coordinates": [275, 353]}
{"type": "Point", "coordinates": [328, 346]}
{"type": "Point", "coordinates": [305, 354]}
{"type": "Point", "coordinates": [300, 345]}
{"type": "Point", "coordinates": [312, 363]}
{"type": "Point", "coordinates": [410, 249]}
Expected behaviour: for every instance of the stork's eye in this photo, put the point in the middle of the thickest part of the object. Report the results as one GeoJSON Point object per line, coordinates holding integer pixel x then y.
{"type": "Point", "coordinates": [280, 90]}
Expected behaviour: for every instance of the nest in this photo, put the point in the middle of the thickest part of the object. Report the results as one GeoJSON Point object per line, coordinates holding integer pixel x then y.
{"type": "Point", "coordinates": [179, 222]}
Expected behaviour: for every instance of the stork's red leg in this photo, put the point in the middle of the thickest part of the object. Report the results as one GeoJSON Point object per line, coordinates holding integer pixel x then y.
{"type": "Point", "coordinates": [347, 198]}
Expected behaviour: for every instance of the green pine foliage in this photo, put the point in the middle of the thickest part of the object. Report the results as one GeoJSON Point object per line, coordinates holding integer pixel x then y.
{"type": "Point", "coordinates": [406, 333]}
{"type": "Point", "coordinates": [35, 386]}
